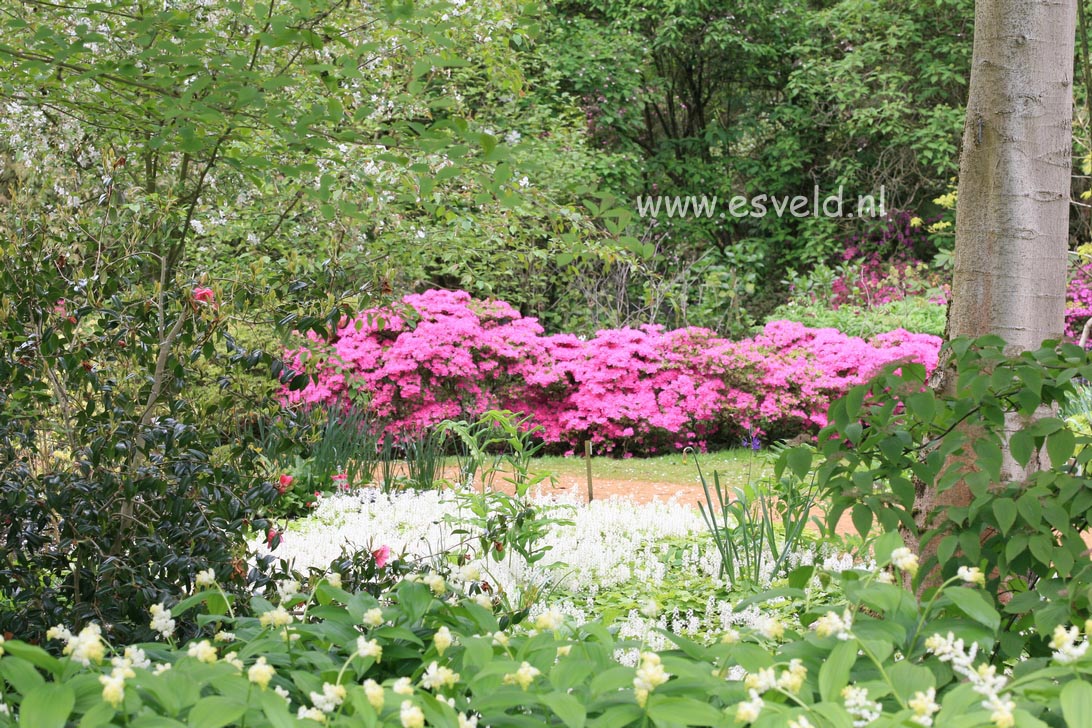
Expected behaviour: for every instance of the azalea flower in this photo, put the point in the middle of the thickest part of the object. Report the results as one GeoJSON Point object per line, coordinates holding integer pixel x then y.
{"type": "Point", "coordinates": [382, 556]}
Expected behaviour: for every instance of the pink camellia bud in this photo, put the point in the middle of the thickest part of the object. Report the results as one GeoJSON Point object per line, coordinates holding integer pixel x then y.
{"type": "Point", "coordinates": [270, 537]}
{"type": "Point", "coordinates": [285, 483]}
{"type": "Point", "coordinates": [382, 555]}
{"type": "Point", "coordinates": [204, 295]}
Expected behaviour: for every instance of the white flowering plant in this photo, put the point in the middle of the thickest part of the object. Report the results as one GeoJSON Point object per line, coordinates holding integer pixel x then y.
{"type": "Point", "coordinates": [420, 654]}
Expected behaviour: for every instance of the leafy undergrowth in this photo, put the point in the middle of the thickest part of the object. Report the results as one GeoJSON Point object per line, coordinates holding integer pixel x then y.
{"type": "Point", "coordinates": [427, 652]}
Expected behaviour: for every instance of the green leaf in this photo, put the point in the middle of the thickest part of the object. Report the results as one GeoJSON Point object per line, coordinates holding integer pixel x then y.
{"type": "Point", "coordinates": [156, 721]}
{"type": "Point", "coordinates": [21, 674]}
{"type": "Point", "coordinates": [972, 603]}
{"type": "Point", "coordinates": [1077, 702]}
{"type": "Point", "coordinates": [1021, 446]}
{"type": "Point", "coordinates": [1031, 510]}
{"type": "Point", "coordinates": [101, 714]}
{"type": "Point", "coordinates": [1042, 548]}
{"type": "Point", "coordinates": [47, 706]}
{"type": "Point", "coordinates": [566, 707]}
{"type": "Point", "coordinates": [611, 680]}
{"type": "Point", "coordinates": [909, 678]}
{"type": "Point", "coordinates": [1060, 447]}
{"type": "Point", "coordinates": [884, 545]}
{"type": "Point", "coordinates": [922, 405]}
{"type": "Point", "coordinates": [854, 399]}
{"type": "Point", "coordinates": [947, 547]}
{"type": "Point", "coordinates": [799, 460]}
{"type": "Point", "coordinates": [834, 674]}
{"type": "Point", "coordinates": [488, 142]}
{"type": "Point", "coordinates": [862, 519]}
{"type": "Point", "coordinates": [34, 655]}
{"type": "Point", "coordinates": [800, 577]}
{"type": "Point", "coordinates": [275, 709]}
{"type": "Point", "coordinates": [685, 711]}
{"type": "Point", "coordinates": [415, 598]}
{"type": "Point", "coordinates": [617, 716]}
{"type": "Point", "coordinates": [215, 711]}
{"type": "Point", "coordinates": [1004, 509]}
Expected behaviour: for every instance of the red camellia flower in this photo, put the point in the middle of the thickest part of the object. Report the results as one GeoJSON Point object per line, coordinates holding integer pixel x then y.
{"type": "Point", "coordinates": [382, 555]}
{"type": "Point", "coordinates": [204, 295]}
{"type": "Point", "coordinates": [285, 484]}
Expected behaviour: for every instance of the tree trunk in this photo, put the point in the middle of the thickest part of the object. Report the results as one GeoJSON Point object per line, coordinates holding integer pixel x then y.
{"type": "Point", "coordinates": [1012, 214]}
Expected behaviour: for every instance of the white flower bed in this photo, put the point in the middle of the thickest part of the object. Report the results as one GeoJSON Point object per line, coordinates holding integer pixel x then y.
{"type": "Point", "coordinates": [609, 543]}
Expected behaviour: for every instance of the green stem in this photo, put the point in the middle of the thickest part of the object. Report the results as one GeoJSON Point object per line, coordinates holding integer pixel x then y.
{"type": "Point", "coordinates": [883, 672]}
{"type": "Point", "coordinates": [925, 614]}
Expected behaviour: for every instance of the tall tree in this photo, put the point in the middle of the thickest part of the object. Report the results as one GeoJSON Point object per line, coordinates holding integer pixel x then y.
{"type": "Point", "coordinates": [1014, 187]}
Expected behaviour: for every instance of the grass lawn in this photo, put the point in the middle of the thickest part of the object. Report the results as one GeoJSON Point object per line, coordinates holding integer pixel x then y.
{"type": "Point", "coordinates": [735, 466]}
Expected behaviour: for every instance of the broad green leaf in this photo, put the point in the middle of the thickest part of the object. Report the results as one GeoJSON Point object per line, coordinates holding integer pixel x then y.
{"type": "Point", "coordinates": [611, 680]}
{"type": "Point", "coordinates": [683, 711]}
{"type": "Point", "coordinates": [834, 674]}
{"type": "Point", "coordinates": [21, 674]}
{"type": "Point", "coordinates": [568, 708]}
{"type": "Point", "coordinates": [215, 711]}
{"type": "Point", "coordinates": [275, 709]}
{"type": "Point", "coordinates": [972, 603]}
{"type": "Point", "coordinates": [158, 721]}
{"type": "Point", "coordinates": [884, 545]}
{"type": "Point", "coordinates": [1004, 509]}
{"type": "Point", "coordinates": [909, 679]}
{"type": "Point", "coordinates": [1021, 446]}
{"type": "Point", "coordinates": [34, 655]}
{"type": "Point", "coordinates": [1060, 447]}
{"type": "Point", "coordinates": [799, 460]}
{"type": "Point", "coordinates": [101, 714]}
{"type": "Point", "coordinates": [617, 716]}
{"type": "Point", "coordinates": [862, 519]}
{"type": "Point", "coordinates": [1077, 702]}
{"type": "Point", "coordinates": [47, 706]}
{"type": "Point", "coordinates": [854, 399]}
{"type": "Point", "coordinates": [1031, 510]}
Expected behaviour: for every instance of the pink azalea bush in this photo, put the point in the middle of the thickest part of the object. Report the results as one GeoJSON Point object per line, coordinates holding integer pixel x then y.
{"type": "Point", "coordinates": [1078, 300]}
{"type": "Point", "coordinates": [443, 354]}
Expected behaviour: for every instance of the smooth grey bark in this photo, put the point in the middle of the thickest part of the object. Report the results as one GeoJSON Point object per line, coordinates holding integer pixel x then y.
{"type": "Point", "coordinates": [1012, 213]}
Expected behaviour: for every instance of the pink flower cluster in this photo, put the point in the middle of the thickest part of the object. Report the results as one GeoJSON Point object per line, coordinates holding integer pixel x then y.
{"type": "Point", "coordinates": [446, 355]}
{"type": "Point", "coordinates": [874, 281]}
{"type": "Point", "coordinates": [1078, 300]}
